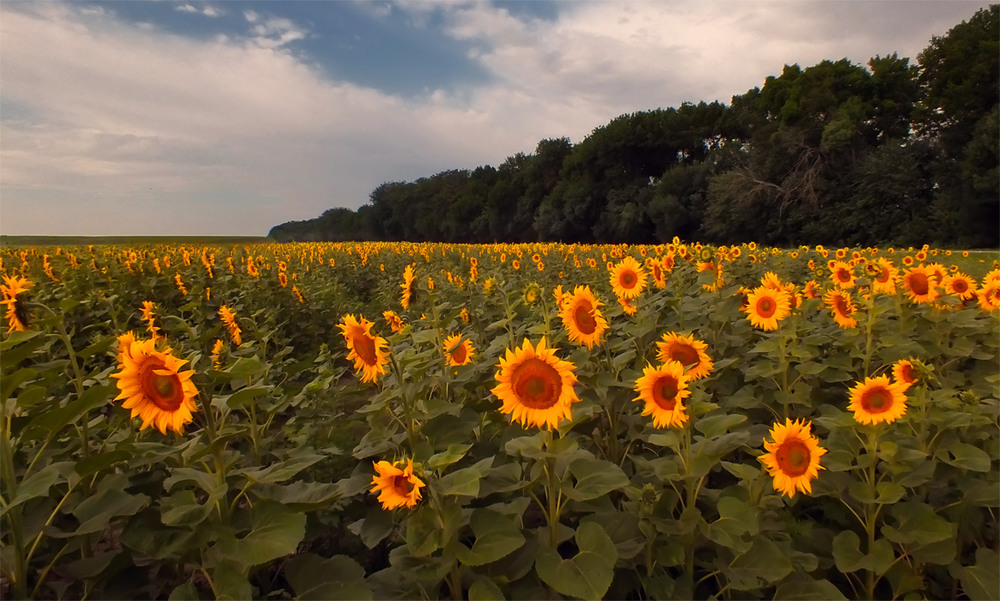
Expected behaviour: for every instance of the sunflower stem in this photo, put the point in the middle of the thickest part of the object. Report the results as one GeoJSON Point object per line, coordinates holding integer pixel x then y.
{"type": "Point", "coordinates": [869, 331]}
{"type": "Point", "coordinates": [871, 509]}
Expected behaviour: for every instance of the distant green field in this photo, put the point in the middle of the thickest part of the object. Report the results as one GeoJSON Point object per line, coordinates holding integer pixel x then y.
{"type": "Point", "coordinates": [125, 240]}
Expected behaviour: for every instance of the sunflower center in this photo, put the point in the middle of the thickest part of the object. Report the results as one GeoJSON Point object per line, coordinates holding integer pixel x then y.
{"type": "Point", "coordinates": [766, 307]}
{"type": "Point", "coordinates": [163, 389]}
{"type": "Point", "coordinates": [537, 384]}
{"type": "Point", "coordinates": [918, 283]}
{"type": "Point", "coordinates": [876, 400]}
{"type": "Point", "coordinates": [960, 286]}
{"type": "Point", "coordinates": [793, 457]}
{"type": "Point", "coordinates": [402, 485]}
{"type": "Point", "coordinates": [882, 277]}
{"type": "Point", "coordinates": [458, 355]}
{"type": "Point", "coordinates": [840, 305]}
{"type": "Point", "coordinates": [907, 374]}
{"type": "Point", "coordinates": [364, 346]}
{"type": "Point", "coordinates": [585, 322]}
{"type": "Point", "coordinates": [684, 354]}
{"type": "Point", "coordinates": [628, 279]}
{"type": "Point", "coordinates": [665, 392]}
{"type": "Point", "coordinates": [842, 275]}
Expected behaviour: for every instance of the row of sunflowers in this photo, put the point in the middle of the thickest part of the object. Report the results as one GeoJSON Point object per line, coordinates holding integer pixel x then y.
{"type": "Point", "coordinates": [389, 420]}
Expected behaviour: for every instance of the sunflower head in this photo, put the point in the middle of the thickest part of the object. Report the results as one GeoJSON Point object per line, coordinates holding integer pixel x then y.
{"type": "Point", "coordinates": [458, 350]}
{"type": "Point", "coordinates": [766, 307]}
{"type": "Point", "coordinates": [407, 287]}
{"type": "Point", "coordinates": [535, 386]}
{"type": "Point", "coordinates": [842, 306]}
{"type": "Point", "coordinates": [532, 292]}
{"type": "Point", "coordinates": [369, 353]}
{"type": "Point", "coordinates": [792, 459]}
{"type": "Point", "coordinates": [664, 389]}
{"type": "Point", "coordinates": [687, 351]}
{"type": "Point", "coordinates": [154, 388]}
{"type": "Point", "coordinates": [582, 318]}
{"type": "Point", "coordinates": [905, 371]}
{"type": "Point", "coordinates": [920, 284]}
{"type": "Point", "coordinates": [396, 484]}
{"type": "Point", "coordinates": [628, 278]}
{"type": "Point", "coordinates": [878, 400]}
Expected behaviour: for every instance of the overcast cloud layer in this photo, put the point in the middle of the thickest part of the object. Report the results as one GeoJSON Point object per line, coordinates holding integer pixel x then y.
{"type": "Point", "coordinates": [109, 126]}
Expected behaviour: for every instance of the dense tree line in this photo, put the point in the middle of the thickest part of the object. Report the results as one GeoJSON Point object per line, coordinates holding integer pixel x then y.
{"type": "Point", "coordinates": [837, 153]}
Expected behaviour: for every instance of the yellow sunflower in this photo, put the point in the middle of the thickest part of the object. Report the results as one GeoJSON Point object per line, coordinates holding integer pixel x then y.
{"type": "Point", "coordinates": [878, 400]}
{"type": "Point", "coordinates": [582, 318]}
{"type": "Point", "coordinates": [842, 274]}
{"type": "Point", "coordinates": [395, 321]}
{"type": "Point", "coordinates": [17, 314]}
{"type": "Point", "coordinates": [369, 353]}
{"type": "Point", "coordinates": [687, 351]}
{"type": "Point", "coordinates": [884, 275]}
{"type": "Point", "coordinates": [396, 487]}
{"type": "Point", "coordinates": [228, 318]}
{"type": "Point", "coordinates": [124, 343]}
{"type": "Point", "coordinates": [792, 459]}
{"type": "Point", "coordinates": [766, 307]}
{"type": "Point", "coordinates": [960, 285]}
{"type": "Point", "coordinates": [407, 287]}
{"type": "Point", "coordinates": [988, 297]}
{"type": "Point", "coordinates": [843, 308]}
{"type": "Point", "coordinates": [536, 387]}
{"type": "Point", "coordinates": [628, 307]}
{"type": "Point", "coordinates": [920, 285]}
{"type": "Point", "coordinates": [628, 278]}
{"type": "Point", "coordinates": [458, 350]}
{"type": "Point", "coordinates": [664, 389]}
{"type": "Point", "coordinates": [903, 372]}
{"type": "Point", "coordinates": [154, 388]}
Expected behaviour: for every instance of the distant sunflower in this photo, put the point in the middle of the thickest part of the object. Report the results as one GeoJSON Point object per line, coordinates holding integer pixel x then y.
{"type": "Point", "coordinates": [407, 287]}
{"type": "Point", "coordinates": [843, 308]}
{"type": "Point", "coordinates": [687, 351]}
{"type": "Point", "coordinates": [16, 313]}
{"type": "Point", "coordinates": [656, 269]}
{"type": "Point", "coordinates": [792, 459]}
{"type": "Point", "coordinates": [766, 307]}
{"type": "Point", "coordinates": [458, 350]}
{"type": "Point", "coordinates": [535, 386]}
{"type": "Point", "coordinates": [369, 353]}
{"type": "Point", "coordinates": [628, 278]}
{"type": "Point", "coordinates": [664, 389]}
{"type": "Point", "coordinates": [628, 306]}
{"type": "Point", "coordinates": [395, 321]}
{"type": "Point", "coordinates": [582, 318]}
{"type": "Point", "coordinates": [920, 285]}
{"type": "Point", "coordinates": [842, 274]}
{"type": "Point", "coordinates": [878, 400]}
{"type": "Point", "coordinates": [397, 487]}
{"type": "Point", "coordinates": [903, 372]}
{"type": "Point", "coordinates": [154, 388]}
{"type": "Point", "coordinates": [228, 318]}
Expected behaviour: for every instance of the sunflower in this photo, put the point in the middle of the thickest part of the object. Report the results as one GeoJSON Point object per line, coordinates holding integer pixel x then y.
{"type": "Point", "coordinates": [229, 320]}
{"type": "Point", "coordinates": [656, 269]}
{"type": "Point", "coordinates": [878, 400]}
{"type": "Point", "coordinates": [582, 318]}
{"type": "Point", "coordinates": [407, 287]}
{"type": "Point", "coordinates": [536, 387]}
{"type": "Point", "coordinates": [124, 343]}
{"type": "Point", "coordinates": [688, 352]}
{"type": "Point", "coordinates": [903, 372]}
{"type": "Point", "coordinates": [792, 459]}
{"type": "Point", "coordinates": [395, 321]}
{"type": "Point", "coordinates": [560, 296]}
{"type": "Point", "coordinates": [920, 284]}
{"type": "Point", "coordinates": [532, 292]}
{"type": "Point", "coordinates": [396, 487]}
{"type": "Point", "coordinates": [17, 315]}
{"type": "Point", "coordinates": [148, 316]}
{"type": "Point", "coordinates": [988, 297]}
{"type": "Point", "coordinates": [884, 275]}
{"type": "Point", "coordinates": [153, 387]}
{"type": "Point", "coordinates": [369, 353]}
{"type": "Point", "coordinates": [842, 274]}
{"type": "Point", "coordinates": [627, 306]}
{"type": "Point", "coordinates": [458, 350]}
{"type": "Point", "coordinates": [767, 307]}
{"type": "Point", "coordinates": [628, 278]}
{"type": "Point", "coordinates": [664, 389]}
{"type": "Point", "coordinates": [960, 285]}
{"type": "Point", "coordinates": [843, 308]}
{"type": "Point", "coordinates": [217, 349]}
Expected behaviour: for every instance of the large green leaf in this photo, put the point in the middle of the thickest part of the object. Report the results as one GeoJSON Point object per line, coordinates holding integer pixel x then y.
{"type": "Point", "coordinates": [965, 456]}
{"type": "Point", "coordinates": [275, 531]}
{"type": "Point", "coordinates": [763, 564]}
{"type": "Point", "coordinates": [589, 573]}
{"type": "Point", "coordinates": [315, 577]}
{"type": "Point", "coordinates": [496, 537]}
{"type": "Point", "coordinates": [594, 478]}
{"type": "Point", "coordinates": [981, 582]}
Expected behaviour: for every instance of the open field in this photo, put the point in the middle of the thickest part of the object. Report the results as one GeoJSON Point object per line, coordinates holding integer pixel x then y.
{"type": "Point", "coordinates": [214, 418]}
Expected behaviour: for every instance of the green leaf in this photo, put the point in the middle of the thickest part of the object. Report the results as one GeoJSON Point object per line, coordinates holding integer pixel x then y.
{"type": "Point", "coordinates": [183, 509]}
{"type": "Point", "coordinates": [184, 592]}
{"type": "Point", "coordinates": [736, 518]}
{"type": "Point", "coordinates": [918, 523]}
{"type": "Point", "coordinates": [423, 535]}
{"type": "Point", "coordinates": [982, 581]}
{"type": "Point", "coordinates": [484, 589]}
{"type": "Point", "coordinates": [717, 425]}
{"type": "Point", "coordinates": [245, 396]}
{"type": "Point", "coordinates": [300, 494]}
{"type": "Point", "coordinates": [230, 582]}
{"type": "Point", "coordinates": [315, 577]}
{"type": "Point", "coordinates": [594, 478]}
{"type": "Point", "coordinates": [110, 500]}
{"type": "Point", "coordinates": [463, 482]}
{"type": "Point", "coordinates": [589, 573]}
{"type": "Point", "coordinates": [283, 470]}
{"type": "Point", "coordinates": [37, 484]}
{"type": "Point", "coordinates": [846, 552]}
{"type": "Point", "coordinates": [762, 565]}
{"type": "Point", "coordinates": [245, 367]}
{"type": "Point", "coordinates": [275, 531]}
{"type": "Point", "coordinates": [452, 454]}
{"type": "Point", "coordinates": [807, 589]}
{"type": "Point", "coordinates": [965, 456]}
{"type": "Point", "coordinates": [375, 526]}
{"type": "Point", "coordinates": [51, 422]}
{"type": "Point", "coordinates": [497, 536]}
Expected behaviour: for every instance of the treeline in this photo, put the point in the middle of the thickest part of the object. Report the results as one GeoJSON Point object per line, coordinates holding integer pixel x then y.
{"type": "Point", "coordinates": [837, 153]}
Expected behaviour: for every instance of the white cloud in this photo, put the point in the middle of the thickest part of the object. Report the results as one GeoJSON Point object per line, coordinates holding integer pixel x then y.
{"type": "Point", "coordinates": [111, 128]}
{"type": "Point", "coordinates": [207, 10]}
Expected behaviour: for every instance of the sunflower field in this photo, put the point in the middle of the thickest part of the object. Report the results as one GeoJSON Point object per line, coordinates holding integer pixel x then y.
{"type": "Point", "coordinates": [540, 421]}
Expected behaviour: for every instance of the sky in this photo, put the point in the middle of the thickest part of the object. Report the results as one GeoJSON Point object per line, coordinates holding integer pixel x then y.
{"type": "Point", "coordinates": [227, 118]}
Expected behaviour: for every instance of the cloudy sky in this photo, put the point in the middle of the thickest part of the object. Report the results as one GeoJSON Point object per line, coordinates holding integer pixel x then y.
{"type": "Point", "coordinates": [226, 118]}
